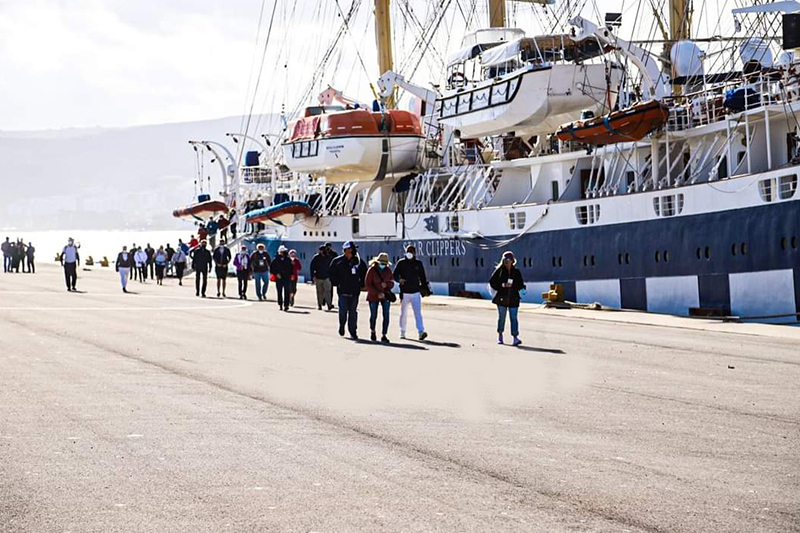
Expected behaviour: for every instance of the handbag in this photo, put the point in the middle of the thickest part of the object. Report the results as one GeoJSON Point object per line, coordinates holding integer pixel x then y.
{"type": "Point", "coordinates": [390, 297]}
{"type": "Point", "coordinates": [425, 290]}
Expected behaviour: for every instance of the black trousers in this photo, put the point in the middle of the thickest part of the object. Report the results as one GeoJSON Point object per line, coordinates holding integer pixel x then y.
{"type": "Point", "coordinates": [179, 270]}
{"type": "Point", "coordinates": [71, 274]}
{"type": "Point", "coordinates": [197, 275]}
{"type": "Point", "coordinates": [31, 266]}
{"type": "Point", "coordinates": [152, 265]}
{"type": "Point", "coordinates": [284, 287]}
{"type": "Point", "coordinates": [242, 276]}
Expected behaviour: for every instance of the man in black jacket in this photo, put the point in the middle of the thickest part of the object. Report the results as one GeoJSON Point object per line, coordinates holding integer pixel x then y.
{"type": "Point", "coordinates": [320, 273]}
{"type": "Point", "coordinates": [222, 256]}
{"type": "Point", "coordinates": [260, 263]}
{"type": "Point", "coordinates": [347, 273]}
{"type": "Point", "coordinates": [283, 269]}
{"type": "Point", "coordinates": [123, 265]}
{"type": "Point", "coordinates": [201, 263]}
{"type": "Point", "coordinates": [410, 275]}
{"type": "Point", "coordinates": [151, 261]}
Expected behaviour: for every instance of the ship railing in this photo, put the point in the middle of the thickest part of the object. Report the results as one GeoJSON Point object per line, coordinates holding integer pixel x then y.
{"type": "Point", "coordinates": [256, 174]}
{"type": "Point", "coordinates": [453, 189]}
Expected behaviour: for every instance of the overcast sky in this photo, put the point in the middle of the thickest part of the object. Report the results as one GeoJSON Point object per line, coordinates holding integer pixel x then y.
{"type": "Point", "coordinates": [84, 63]}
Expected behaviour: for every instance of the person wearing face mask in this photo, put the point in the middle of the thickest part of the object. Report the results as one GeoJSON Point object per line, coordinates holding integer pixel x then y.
{"type": "Point", "coordinates": [320, 266]}
{"type": "Point", "coordinates": [282, 269]}
{"type": "Point", "coordinates": [379, 285]}
{"type": "Point", "coordinates": [123, 266]}
{"type": "Point", "coordinates": [347, 273]}
{"type": "Point", "coordinates": [70, 259]}
{"type": "Point", "coordinates": [242, 264]}
{"type": "Point", "coordinates": [410, 275]}
{"type": "Point", "coordinates": [201, 263]}
{"type": "Point", "coordinates": [260, 264]}
{"type": "Point", "coordinates": [507, 281]}
{"type": "Point", "coordinates": [222, 256]}
{"type": "Point", "coordinates": [179, 263]}
{"type": "Point", "coordinates": [296, 266]}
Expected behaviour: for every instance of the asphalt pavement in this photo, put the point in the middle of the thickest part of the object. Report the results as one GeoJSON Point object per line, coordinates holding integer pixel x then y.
{"type": "Point", "coordinates": [162, 412]}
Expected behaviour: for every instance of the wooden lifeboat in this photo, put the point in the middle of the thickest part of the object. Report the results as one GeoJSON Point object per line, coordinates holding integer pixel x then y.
{"type": "Point", "coordinates": [205, 210]}
{"type": "Point", "coordinates": [353, 145]}
{"type": "Point", "coordinates": [630, 124]}
{"type": "Point", "coordinates": [283, 214]}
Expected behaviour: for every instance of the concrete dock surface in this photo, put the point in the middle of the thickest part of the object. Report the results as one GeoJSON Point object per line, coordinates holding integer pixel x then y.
{"type": "Point", "coordinates": [162, 412]}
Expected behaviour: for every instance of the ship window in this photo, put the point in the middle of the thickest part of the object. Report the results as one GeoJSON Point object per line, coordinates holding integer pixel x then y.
{"type": "Point", "coordinates": [656, 206]}
{"type": "Point", "coordinates": [787, 186]}
{"type": "Point", "coordinates": [680, 203]}
{"type": "Point", "coordinates": [784, 244]}
{"type": "Point", "coordinates": [554, 190]}
{"type": "Point", "coordinates": [561, 261]}
{"type": "Point", "coordinates": [766, 188]}
{"type": "Point", "coordinates": [464, 101]}
{"type": "Point", "coordinates": [708, 253]}
{"type": "Point", "coordinates": [619, 259]}
{"type": "Point", "coordinates": [594, 262]}
{"type": "Point", "coordinates": [794, 243]}
{"type": "Point", "coordinates": [521, 220]}
{"type": "Point", "coordinates": [722, 168]}
{"type": "Point", "coordinates": [587, 214]}
{"type": "Point", "coordinates": [744, 248]}
{"type": "Point", "coordinates": [585, 261]}
{"type": "Point", "coordinates": [668, 205]}
{"type": "Point", "coordinates": [554, 261]}
{"type": "Point", "coordinates": [630, 180]}
{"type": "Point", "coordinates": [666, 256]}
{"type": "Point", "coordinates": [480, 98]}
{"type": "Point", "coordinates": [334, 234]}
{"type": "Point", "coordinates": [627, 259]}
{"type": "Point", "coordinates": [699, 253]}
{"type": "Point", "coordinates": [303, 149]}
{"type": "Point", "coordinates": [516, 220]}
{"type": "Point", "coordinates": [658, 257]}
{"type": "Point", "coordinates": [733, 249]}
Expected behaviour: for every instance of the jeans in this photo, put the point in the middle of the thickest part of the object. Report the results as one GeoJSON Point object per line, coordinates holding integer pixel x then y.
{"type": "Point", "coordinates": [415, 302]}
{"type": "Point", "coordinates": [262, 284]}
{"type": "Point", "coordinates": [6, 263]}
{"type": "Point", "coordinates": [348, 313]}
{"type": "Point", "coordinates": [284, 287]}
{"type": "Point", "coordinates": [501, 319]}
{"type": "Point", "coordinates": [123, 276]}
{"type": "Point", "coordinates": [373, 314]}
{"type": "Point", "coordinates": [71, 274]}
{"type": "Point", "coordinates": [242, 276]}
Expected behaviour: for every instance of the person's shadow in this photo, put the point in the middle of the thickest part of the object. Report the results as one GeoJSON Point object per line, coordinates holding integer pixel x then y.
{"type": "Point", "coordinates": [293, 312]}
{"type": "Point", "coordinates": [438, 343]}
{"type": "Point", "coordinates": [554, 351]}
{"type": "Point", "coordinates": [391, 345]}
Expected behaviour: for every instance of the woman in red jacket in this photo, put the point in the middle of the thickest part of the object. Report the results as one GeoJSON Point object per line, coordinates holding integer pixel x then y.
{"type": "Point", "coordinates": [379, 282]}
{"type": "Point", "coordinates": [296, 266]}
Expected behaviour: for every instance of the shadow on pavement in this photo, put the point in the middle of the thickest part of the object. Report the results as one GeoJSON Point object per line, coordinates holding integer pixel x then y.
{"type": "Point", "coordinates": [540, 350]}
{"type": "Point", "coordinates": [437, 343]}
{"type": "Point", "coordinates": [391, 345]}
{"type": "Point", "coordinates": [292, 312]}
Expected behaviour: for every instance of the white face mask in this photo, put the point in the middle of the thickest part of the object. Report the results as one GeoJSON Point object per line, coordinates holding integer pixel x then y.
{"type": "Point", "coordinates": [409, 255]}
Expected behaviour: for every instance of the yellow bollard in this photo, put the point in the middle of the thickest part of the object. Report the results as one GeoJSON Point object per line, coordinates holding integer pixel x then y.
{"type": "Point", "coordinates": [104, 262]}
{"type": "Point", "coordinates": [89, 261]}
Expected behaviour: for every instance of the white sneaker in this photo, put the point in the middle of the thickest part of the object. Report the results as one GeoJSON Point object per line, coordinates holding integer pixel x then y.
{"type": "Point", "coordinates": [402, 334]}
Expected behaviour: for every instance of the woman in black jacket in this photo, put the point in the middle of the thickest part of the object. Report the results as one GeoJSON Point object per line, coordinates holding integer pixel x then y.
{"type": "Point", "coordinates": [507, 281]}
{"type": "Point", "coordinates": [123, 266]}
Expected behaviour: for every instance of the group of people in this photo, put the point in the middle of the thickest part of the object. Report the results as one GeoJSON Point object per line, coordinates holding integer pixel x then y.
{"type": "Point", "coordinates": [138, 262]}
{"type": "Point", "coordinates": [17, 254]}
{"type": "Point", "coordinates": [207, 231]}
{"type": "Point", "coordinates": [348, 273]}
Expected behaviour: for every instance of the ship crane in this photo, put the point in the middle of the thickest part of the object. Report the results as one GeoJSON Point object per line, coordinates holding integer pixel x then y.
{"type": "Point", "coordinates": [331, 95]}
{"type": "Point", "coordinates": [653, 80]}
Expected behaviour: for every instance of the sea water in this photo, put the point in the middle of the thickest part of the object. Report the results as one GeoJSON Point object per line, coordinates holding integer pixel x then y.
{"type": "Point", "coordinates": [97, 244]}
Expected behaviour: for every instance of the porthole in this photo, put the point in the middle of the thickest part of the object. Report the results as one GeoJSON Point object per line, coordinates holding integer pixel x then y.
{"type": "Point", "coordinates": [481, 261]}
{"type": "Point", "coordinates": [305, 233]}
{"type": "Point", "coordinates": [784, 244]}
{"type": "Point", "coordinates": [585, 261]}
{"type": "Point", "coordinates": [334, 234]}
{"type": "Point", "coordinates": [627, 259]}
{"type": "Point", "coordinates": [708, 253]}
{"type": "Point", "coordinates": [658, 257]}
{"type": "Point", "coordinates": [560, 262]}
{"type": "Point", "coordinates": [744, 248]}
{"type": "Point", "coordinates": [477, 262]}
{"type": "Point", "coordinates": [699, 253]}
{"type": "Point", "coordinates": [794, 243]}
{"type": "Point", "coordinates": [666, 256]}
{"type": "Point", "coordinates": [733, 249]}
{"type": "Point", "coordinates": [593, 261]}
{"type": "Point", "coordinates": [619, 258]}
{"type": "Point", "coordinates": [554, 262]}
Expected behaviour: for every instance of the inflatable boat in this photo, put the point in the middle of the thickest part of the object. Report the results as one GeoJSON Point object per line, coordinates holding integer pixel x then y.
{"type": "Point", "coordinates": [284, 214]}
{"type": "Point", "coordinates": [203, 211]}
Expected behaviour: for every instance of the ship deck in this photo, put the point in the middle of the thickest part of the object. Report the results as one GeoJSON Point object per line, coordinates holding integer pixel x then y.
{"type": "Point", "coordinates": [158, 411]}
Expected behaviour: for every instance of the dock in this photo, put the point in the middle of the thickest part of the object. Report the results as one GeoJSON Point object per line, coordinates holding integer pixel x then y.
{"type": "Point", "coordinates": [161, 412]}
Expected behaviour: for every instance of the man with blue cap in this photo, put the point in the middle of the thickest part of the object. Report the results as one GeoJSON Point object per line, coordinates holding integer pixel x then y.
{"type": "Point", "coordinates": [347, 273]}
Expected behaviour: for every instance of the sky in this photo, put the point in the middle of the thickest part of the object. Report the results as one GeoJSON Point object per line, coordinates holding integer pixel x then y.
{"type": "Point", "coordinates": [115, 63]}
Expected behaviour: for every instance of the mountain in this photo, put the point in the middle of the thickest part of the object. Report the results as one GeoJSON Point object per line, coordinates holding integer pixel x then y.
{"type": "Point", "coordinates": [107, 178]}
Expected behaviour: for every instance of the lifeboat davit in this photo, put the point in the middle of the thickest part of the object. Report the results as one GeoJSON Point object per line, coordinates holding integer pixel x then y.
{"type": "Point", "coordinates": [354, 145]}
{"type": "Point", "coordinates": [203, 210]}
{"type": "Point", "coordinates": [625, 125]}
{"type": "Point", "coordinates": [283, 214]}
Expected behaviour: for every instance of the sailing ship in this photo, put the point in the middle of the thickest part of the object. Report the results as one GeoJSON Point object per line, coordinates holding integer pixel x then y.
{"type": "Point", "coordinates": [630, 177]}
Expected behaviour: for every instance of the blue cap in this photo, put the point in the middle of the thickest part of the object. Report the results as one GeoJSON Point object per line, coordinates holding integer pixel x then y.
{"type": "Point", "coordinates": [349, 244]}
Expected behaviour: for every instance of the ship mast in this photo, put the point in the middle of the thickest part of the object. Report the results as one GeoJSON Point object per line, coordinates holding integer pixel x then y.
{"type": "Point", "coordinates": [680, 26]}
{"type": "Point", "coordinates": [383, 35]}
{"type": "Point", "coordinates": [497, 13]}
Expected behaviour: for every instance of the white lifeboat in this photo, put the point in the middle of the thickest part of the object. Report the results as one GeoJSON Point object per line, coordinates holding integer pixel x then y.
{"type": "Point", "coordinates": [353, 145]}
{"type": "Point", "coordinates": [530, 97]}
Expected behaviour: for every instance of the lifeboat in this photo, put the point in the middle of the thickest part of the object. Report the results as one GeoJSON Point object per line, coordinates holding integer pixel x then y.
{"type": "Point", "coordinates": [203, 210]}
{"type": "Point", "coordinates": [353, 145]}
{"type": "Point", "coordinates": [630, 124]}
{"type": "Point", "coordinates": [283, 214]}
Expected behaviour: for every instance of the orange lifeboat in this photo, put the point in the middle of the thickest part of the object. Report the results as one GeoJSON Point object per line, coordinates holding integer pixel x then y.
{"type": "Point", "coordinates": [625, 125]}
{"type": "Point", "coordinates": [354, 144]}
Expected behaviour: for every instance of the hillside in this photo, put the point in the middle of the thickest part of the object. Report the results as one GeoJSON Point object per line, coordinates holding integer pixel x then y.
{"type": "Point", "coordinates": [98, 178]}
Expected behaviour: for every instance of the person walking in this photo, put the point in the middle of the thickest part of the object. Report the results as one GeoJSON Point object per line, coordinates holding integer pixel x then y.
{"type": "Point", "coordinates": [282, 269]}
{"type": "Point", "coordinates": [170, 252]}
{"type": "Point", "coordinates": [410, 275]}
{"type": "Point", "coordinates": [123, 266]}
{"type": "Point", "coordinates": [379, 283]}
{"type": "Point", "coordinates": [320, 268]}
{"type": "Point", "coordinates": [202, 232]}
{"type": "Point", "coordinates": [30, 251]}
{"type": "Point", "coordinates": [296, 266]}
{"type": "Point", "coordinates": [134, 271]}
{"type": "Point", "coordinates": [23, 256]}
{"type": "Point", "coordinates": [232, 223]}
{"type": "Point", "coordinates": [151, 255]}
{"type": "Point", "coordinates": [242, 264]}
{"type": "Point", "coordinates": [70, 259]}
{"type": "Point", "coordinates": [6, 248]}
{"type": "Point", "coordinates": [222, 256]}
{"type": "Point", "coordinates": [179, 264]}
{"type": "Point", "coordinates": [160, 261]}
{"type": "Point", "coordinates": [140, 259]}
{"type": "Point", "coordinates": [260, 265]}
{"type": "Point", "coordinates": [193, 242]}
{"type": "Point", "coordinates": [222, 223]}
{"type": "Point", "coordinates": [347, 273]}
{"type": "Point", "coordinates": [201, 263]}
{"type": "Point", "coordinates": [507, 281]}
{"type": "Point", "coordinates": [16, 256]}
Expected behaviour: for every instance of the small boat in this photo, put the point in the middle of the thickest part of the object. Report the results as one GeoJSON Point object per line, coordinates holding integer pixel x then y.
{"type": "Point", "coordinates": [203, 210]}
{"type": "Point", "coordinates": [353, 145]}
{"type": "Point", "coordinates": [630, 124]}
{"type": "Point", "coordinates": [283, 214]}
